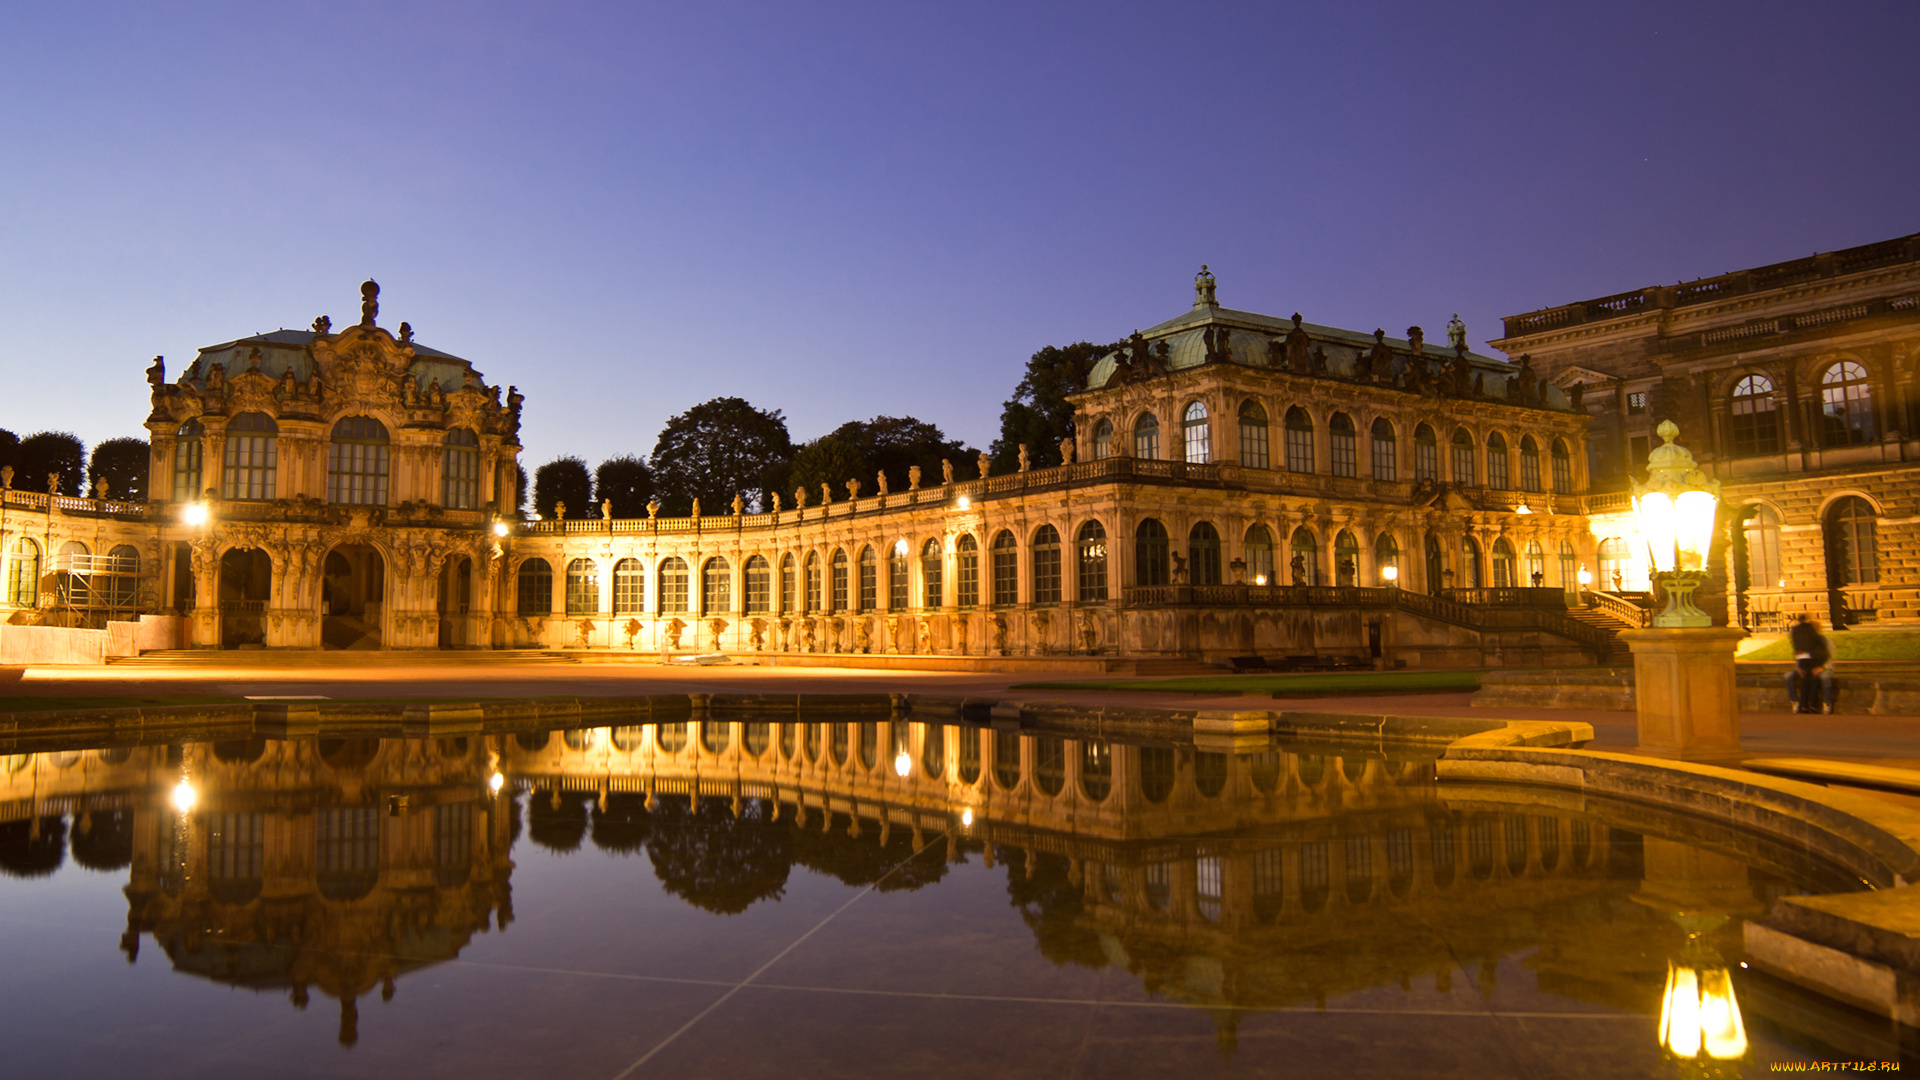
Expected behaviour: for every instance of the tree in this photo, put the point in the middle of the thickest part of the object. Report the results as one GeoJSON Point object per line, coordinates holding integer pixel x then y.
{"type": "Point", "coordinates": [122, 463]}
{"type": "Point", "coordinates": [828, 460]}
{"type": "Point", "coordinates": [50, 452]}
{"type": "Point", "coordinates": [718, 449]}
{"type": "Point", "coordinates": [894, 444]}
{"type": "Point", "coordinates": [9, 448]}
{"type": "Point", "coordinates": [1039, 414]}
{"type": "Point", "coordinates": [563, 480]}
{"type": "Point", "coordinates": [627, 482]}
{"type": "Point", "coordinates": [520, 490]}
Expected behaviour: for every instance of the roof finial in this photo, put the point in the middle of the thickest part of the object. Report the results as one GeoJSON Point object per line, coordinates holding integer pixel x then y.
{"type": "Point", "coordinates": [1456, 333]}
{"type": "Point", "coordinates": [369, 301]}
{"type": "Point", "coordinates": [1203, 289]}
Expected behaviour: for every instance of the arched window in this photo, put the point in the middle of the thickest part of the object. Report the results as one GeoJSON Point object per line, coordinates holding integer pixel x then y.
{"type": "Point", "coordinates": [1150, 547]}
{"type": "Point", "coordinates": [534, 586]}
{"type": "Point", "coordinates": [931, 572]}
{"type": "Point", "coordinates": [1470, 563]}
{"type": "Point", "coordinates": [583, 588]}
{"type": "Point", "coordinates": [71, 588]}
{"type": "Point", "coordinates": [1006, 569]}
{"type": "Point", "coordinates": [1497, 462]}
{"type": "Point", "coordinates": [1341, 439]}
{"type": "Point", "coordinates": [1346, 559]}
{"type": "Point", "coordinates": [966, 552]}
{"type": "Point", "coordinates": [716, 586]}
{"type": "Point", "coordinates": [1426, 454]}
{"type": "Point", "coordinates": [123, 572]}
{"type": "Point", "coordinates": [1762, 534]}
{"type": "Point", "coordinates": [1092, 544]}
{"type": "Point", "coordinates": [759, 585]}
{"type": "Point", "coordinates": [1046, 565]}
{"type": "Point", "coordinates": [673, 586]}
{"type": "Point", "coordinates": [1386, 555]}
{"type": "Point", "coordinates": [1103, 439]}
{"type": "Point", "coordinates": [23, 573]}
{"type": "Point", "coordinates": [1853, 550]}
{"type": "Point", "coordinates": [1303, 567]}
{"type": "Point", "coordinates": [629, 587]}
{"type": "Point", "coordinates": [1386, 458]}
{"type": "Point", "coordinates": [460, 470]}
{"type": "Point", "coordinates": [1259, 546]}
{"type": "Point", "coordinates": [186, 461]}
{"type": "Point", "coordinates": [869, 579]}
{"type": "Point", "coordinates": [1436, 566]}
{"type": "Point", "coordinates": [1529, 464]}
{"type": "Point", "coordinates": [1253, 436]}
{"type": "Point", "coordinates": [251, 459]}
{"type": "Point", "coordinates": [1846, 405]}
{"type": "Point", "coordinates": [789, 585]}
{"type": "Point", "coordinates": [1203, 551]}
{"type": "Point", "coordinates": [715, 735]}
{"type": "Point", "coordinates": [1299, 441]}
{"type": "Point", "coordinates": [897, 576]}
{"type": "Point", "coordinates": [1096, 769]}
{"type": "Point", "coordinates": [1754, 419]}
{"type": "Point", "coordinates": [1536, 568]}
{"type": "Point", "coordinates": [1146, 437]}
{"type": "Point", "coordinates": [839, 580]}
{"type": "Point", "coordinates": [1562, 468]}
{"type": "Point", "coordinates": [357, 463]}
{"type": "Point", "coordinates": [1613, 564]}
{"type": "Point", "coordinates": [1198, 437]}
{"type": "Point", "coordinates": [1569, 569]}
{"type": "Point", "coordinates": [1463, 458]}
{"type": "Point", "coordinates": [816, 587]}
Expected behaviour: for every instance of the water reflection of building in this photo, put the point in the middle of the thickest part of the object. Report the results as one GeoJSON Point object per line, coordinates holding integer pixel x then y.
{"type": "Point", "coordinates": [334, 865]}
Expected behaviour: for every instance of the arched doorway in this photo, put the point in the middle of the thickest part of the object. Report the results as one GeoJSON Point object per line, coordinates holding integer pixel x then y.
{"type": "Point", "coordinates": [246, 581]}
{"type": "Point", "coordinates": [353, 588]}
{"type": "Point", "coordinates": [455, 602]}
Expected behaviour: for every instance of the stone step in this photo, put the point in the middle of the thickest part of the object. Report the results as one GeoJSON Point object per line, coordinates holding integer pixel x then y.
{"type": "Point", "coordinates": [329, 658]}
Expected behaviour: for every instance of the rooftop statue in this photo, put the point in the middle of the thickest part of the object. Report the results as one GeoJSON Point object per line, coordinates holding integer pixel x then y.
{"type": "Point", "coordinates": [406, 333]}
{"type": "Point", "coordinates": [322, 326]}
{"type": "Point", "coordinates": [369, 301]}
{"type": "Point", "coordinates": [1457, 333]}
{"type": "Point", "coordinates": [1203, 288]}
{"type": "Point", "coordinates": [157, 373]}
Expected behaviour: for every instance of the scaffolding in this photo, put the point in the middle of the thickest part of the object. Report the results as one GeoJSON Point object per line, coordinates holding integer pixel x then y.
{"type": "Point", "coordinates": [90, 591]}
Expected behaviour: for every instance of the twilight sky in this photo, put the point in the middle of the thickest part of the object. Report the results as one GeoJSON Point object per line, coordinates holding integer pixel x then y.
{"type": "Point", "coordinates": [843, 210]}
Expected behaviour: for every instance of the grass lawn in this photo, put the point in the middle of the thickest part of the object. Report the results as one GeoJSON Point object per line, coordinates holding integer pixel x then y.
{"type": "Point", "coordinates": [1289, 685]}
{"type": "Point", "coordinates": [1851, 645]}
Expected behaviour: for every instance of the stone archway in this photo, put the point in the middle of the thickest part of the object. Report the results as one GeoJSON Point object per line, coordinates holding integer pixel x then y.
{"type": "Point", "coordinates": [454, 603]}
{"type": "Point", "coordinates": [245, 587]}
{"type": "Point", "coordinates": [353, 589]}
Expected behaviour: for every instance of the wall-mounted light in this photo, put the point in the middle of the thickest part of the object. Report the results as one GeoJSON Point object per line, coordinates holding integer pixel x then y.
{"type": "Point", "coordinates": [499, 528]}
{"type": "Point", "coordinates": [900, 548]}
{"type": "Point", "coordinates": [194, 513]}
{"type": "Point", "coordinates": [1390, 573]}
{"type": "Point", "coordinates": [963, 502]}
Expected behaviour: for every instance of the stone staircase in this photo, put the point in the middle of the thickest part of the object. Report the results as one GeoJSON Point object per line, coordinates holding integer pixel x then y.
{"type": "Point", "coordinates": [1617, 654]}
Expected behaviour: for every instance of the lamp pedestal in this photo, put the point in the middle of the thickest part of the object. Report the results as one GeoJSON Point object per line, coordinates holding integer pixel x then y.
{"type": "Point", "coordinates": [1684, 692]}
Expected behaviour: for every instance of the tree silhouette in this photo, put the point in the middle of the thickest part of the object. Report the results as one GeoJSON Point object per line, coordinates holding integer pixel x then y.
{"type": "Point", "coordinates": [627, 482]}
{"type": "Point", "coordinates": [563, 480]}
{"type": "Point", "coordinates": [718, 449]}
{"type": "Point", "coordinates": [122, 463]}
{"type": "Point", "coordinates": [716, 861]}
{"type": "Point", "coordinates": [49, 452]}
{"type": "Point", "coordinates": [1039, 413]}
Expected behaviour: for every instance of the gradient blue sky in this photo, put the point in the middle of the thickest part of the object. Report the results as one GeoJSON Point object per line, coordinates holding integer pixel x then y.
{"type": "Point", "coordinates": [843, 210]}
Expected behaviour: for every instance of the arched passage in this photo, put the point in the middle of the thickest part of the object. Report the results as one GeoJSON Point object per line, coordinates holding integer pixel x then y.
{"type": "Point", "coordinates": [353, 589]}
{"type": "Point", "coordinates": [455, 603]}
{"type": "Point", "coordinates": [246, 577]}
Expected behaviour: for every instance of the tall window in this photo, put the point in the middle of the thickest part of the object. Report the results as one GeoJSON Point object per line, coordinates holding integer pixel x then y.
{"type": "Point", "coordinates": [1046, 565]}
{"type": "Point", "coordinates": [1197, 434]}
{"type": "Point", "coordinates": [1260, 556]}
{"type": "Point", "coordinates": [629, 587]}
{"type": "Point", "coordinates": [1529, 464]}
{"type": "Point", "coordinates": [1426, 454]}
{"type": "Point", "coordinates": [1763, 550]}
{"type": "Point", "coordinates": [460, 470]}
{"type": "Point", "coordinates": [23, 573]}
{"type": "Point", "coordinates": [967, 567]}
{"type": "Point", "coordinates": [1614, 565]}
{"type": "Point", "coordinates": [1006, 569]}
{"type": "Point", "coordinates": [1103, 440]}
{"type": "Point", "coordinates": [1536, 567]}
{"type": "Point", "coordinates": [897, 576]}
{"type": "Point", "coordinates": [1846, 405]}
{"type": "Point", "coordinates": [839, 581]}
{"type": "Point", "coordinates": [1253, 436]}
{"type": "Point", "coordinates": [251, 458]}
{"type": "Point", "coordinates": [1386, 457]}
{"type": "Point", "coordinates": [1203, 552]}
{"type": "Point", "coordinates": [789, 586]}
{"type": "Point", "coordinates": [1340, 436]}
{"type": "Point", "coordinates": [583, 588]}
{"type": "Point", "coordinates": [1303, 565]}
{"type": "Point", "coordinates": [1150, 549]}
{"type": "Point", "coordinates": [186, 461]}
{"type": "Point", "coordinates": [869, 579]}
{"type": "Point", "coordinates": [1299, 441]}
{"type": "Point", "coordinates": [1386, 553]}
{"type": "Point", "coordinates": [1092, 542]}
{"type": "Point", "coordinates": [1146, 437]}
{"type": "Point", "coordinates": [816, 589]}
{"type": "Point", "coordinates": [534, 585]}
{"type": "Point", "coordinates": [1463, 458]}
{"type": "Point", "coordinates": [1853, 550]}
{"type": "Point", "coordinates": [1569, 569]}
{"type": "Point", "coordinates": [357, 463]}
{"type": "Point", "coordinates": [1754, 420]}
{"type": "Point", "coordinates": [759, 585]}
{"type": "Point", "coordinates": [716, 586]}
{"type": "Point", "coordinates": [932, 571]}
{"type": "Point", "coordinates": [1470, 564]}
{"type": "Point", "coordinates": [1346, 559]}
{"type": "Point", "coordinates": [1497, 462]}
{"type": "Point", "coordinates": [673, 586]}
{"type": "Point", "coordinates": [1562, 468]}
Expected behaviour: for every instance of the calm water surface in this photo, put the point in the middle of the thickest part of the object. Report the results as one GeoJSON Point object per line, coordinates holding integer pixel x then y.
{"type": "Point", "coordinates": [750, 899]}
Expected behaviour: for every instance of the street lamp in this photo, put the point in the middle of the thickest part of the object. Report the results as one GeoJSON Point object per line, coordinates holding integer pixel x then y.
{"type": "Point", "coordinates": [1676, 508]}
{"type": "Point", "coordinates": [1391, 573]}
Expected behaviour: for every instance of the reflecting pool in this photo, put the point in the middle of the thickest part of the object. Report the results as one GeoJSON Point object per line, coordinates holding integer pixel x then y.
{"type": "Point", "coordinates": [866, 898]}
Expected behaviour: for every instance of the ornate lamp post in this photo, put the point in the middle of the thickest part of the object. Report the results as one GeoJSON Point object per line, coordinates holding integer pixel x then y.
{"type": "Point", "coordinates": [1683, 665]}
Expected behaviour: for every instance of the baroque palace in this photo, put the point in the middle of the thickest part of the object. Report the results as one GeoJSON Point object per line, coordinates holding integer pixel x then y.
{"type": "Point", "coordinates": [1240, 485]}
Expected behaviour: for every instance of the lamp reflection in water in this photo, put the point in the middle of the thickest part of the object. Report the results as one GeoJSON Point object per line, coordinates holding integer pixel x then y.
{"type": "Point", "coordinates": [184, 796]}
{"type": "Point", "coordinates": [903, 764]}
{"type": "Point", "coordinates": [1700, 892]}
{"type": "Point", "coordinates": [1699, 1013]}
{"type": "Point", "coordinates": [496, 782]}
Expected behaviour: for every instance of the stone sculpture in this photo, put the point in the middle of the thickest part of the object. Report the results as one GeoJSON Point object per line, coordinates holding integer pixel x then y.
{"type": "Point", "coordinates": [369, 302]}
{"type": "Point", "coordinates": [913, 478]}
{"type": "Point", "coordinates": [946, 471]}
{"type": "Point", "coordinates": [1025, 462]}
{"type": "Point", "coordinates": [1066, 450]}
{"type": "Point", "coordinates": [880, 481]}
{"type": "Point", "coordinates": [985, 464]}
{"type": "Point", "coordinates": [1000, 635]}
{"type": "Point", "coordinates": [675, 628]}
{"type": "Point", "coordinates": [322, 326]}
